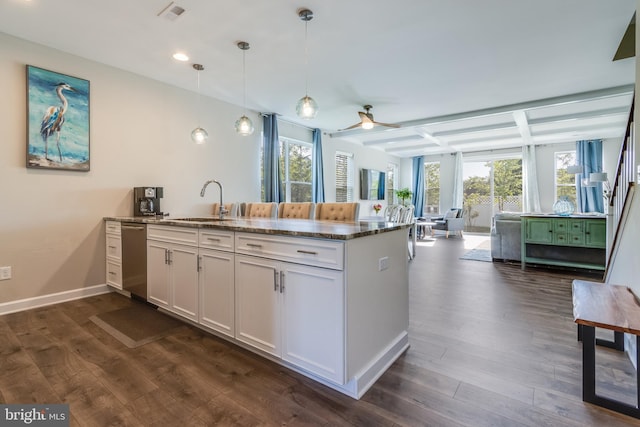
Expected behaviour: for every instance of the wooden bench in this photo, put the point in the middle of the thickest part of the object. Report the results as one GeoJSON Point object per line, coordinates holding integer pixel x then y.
{"type": "Point", "coordinates": [613, 307]}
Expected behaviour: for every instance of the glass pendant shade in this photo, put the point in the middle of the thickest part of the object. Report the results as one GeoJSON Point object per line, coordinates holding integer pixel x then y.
{"type": "Point", "coordinates": [306, 108]}
{"type": "Point", "coordinates": [244, 126]}
{"type": "Point", "coordinates": [367, 125]}
{"type": "Point", "coordinates": [199, 135]}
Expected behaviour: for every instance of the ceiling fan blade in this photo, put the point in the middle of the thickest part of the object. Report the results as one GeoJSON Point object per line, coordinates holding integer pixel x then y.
{"type": "Point", "coordinates": [357, 125]}
{"type": "Point", "coordinates": [389, 125]}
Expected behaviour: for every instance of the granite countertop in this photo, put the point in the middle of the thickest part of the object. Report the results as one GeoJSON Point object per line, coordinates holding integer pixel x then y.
{"type": "Point", "coordinates": [286, 227]}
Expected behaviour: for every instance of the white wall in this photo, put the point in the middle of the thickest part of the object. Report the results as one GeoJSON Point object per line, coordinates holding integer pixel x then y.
{"type": "Point", "coordinates": [363, 157]}
{"type": "Point", "coordinates": [51, 221]}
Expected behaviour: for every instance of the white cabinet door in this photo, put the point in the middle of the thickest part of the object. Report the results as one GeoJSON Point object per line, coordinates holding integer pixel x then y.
{"type": "Point", "coordinates": [183, 261]}
{"type": "Point", "coordinates": [313, 319]}
{"type": "Point", "coordinates": [217, 299]}
{"type": "Point", "coordinates": [257, 303]}
{"type": "Point", "coordinates": [158, 275]}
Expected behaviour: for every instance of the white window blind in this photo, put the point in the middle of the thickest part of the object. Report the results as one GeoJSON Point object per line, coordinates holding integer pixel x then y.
{"type": "Point", "coordinates": [344, 177]}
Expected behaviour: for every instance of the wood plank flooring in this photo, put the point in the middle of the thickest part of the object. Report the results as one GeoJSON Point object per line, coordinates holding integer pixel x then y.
{"type": "Point", "coordinates": [490, 346]}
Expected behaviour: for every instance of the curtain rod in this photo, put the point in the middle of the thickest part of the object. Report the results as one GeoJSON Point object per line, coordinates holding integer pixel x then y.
{"type": "Point", "coordinates": [288, 121]}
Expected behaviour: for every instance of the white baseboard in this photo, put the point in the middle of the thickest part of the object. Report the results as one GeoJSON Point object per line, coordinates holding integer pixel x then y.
{"type": "Point", "coordinates": [43, 300]}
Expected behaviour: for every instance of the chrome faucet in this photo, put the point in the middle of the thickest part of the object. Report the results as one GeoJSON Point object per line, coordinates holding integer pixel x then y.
{"type": "Point", "coordinates": [222, 210]}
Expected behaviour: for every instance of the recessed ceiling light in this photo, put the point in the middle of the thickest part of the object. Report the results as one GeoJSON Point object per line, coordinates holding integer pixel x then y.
{"type": "Point", "coordinates": [179, 56]}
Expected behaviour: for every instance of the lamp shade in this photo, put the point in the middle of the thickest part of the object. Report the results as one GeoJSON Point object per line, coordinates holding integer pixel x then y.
{"type": "Point", "coordinates": [244, 126]}
{"type": "Point", "coordinates": [574, 169]}
{"type": "Point", "coordinates": [307, 107]}
{"type": "Point", "coordinates": [598, 177]}
{"type": "Point", "coordinates": [199, 135]}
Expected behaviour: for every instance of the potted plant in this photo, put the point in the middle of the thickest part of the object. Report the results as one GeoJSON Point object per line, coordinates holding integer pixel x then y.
{"type": "Point", "coordinates": [403, 194]}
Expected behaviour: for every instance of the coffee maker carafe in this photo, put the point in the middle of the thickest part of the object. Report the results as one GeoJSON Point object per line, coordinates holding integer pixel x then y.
{"type": "Point", "coordinates": [146, 201]}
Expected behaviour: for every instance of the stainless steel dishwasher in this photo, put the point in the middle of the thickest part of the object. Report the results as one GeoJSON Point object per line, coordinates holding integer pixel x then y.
{"type": "Point", "coordinates": [134, 259]}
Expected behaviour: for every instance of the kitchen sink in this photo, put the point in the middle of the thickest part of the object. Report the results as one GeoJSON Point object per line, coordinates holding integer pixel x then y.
{"type": "Point", "coordinates": [199, 219]}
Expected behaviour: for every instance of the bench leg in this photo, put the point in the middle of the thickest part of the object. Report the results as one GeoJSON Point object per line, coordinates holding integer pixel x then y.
{"type": "Point", "coordinates": [589, 376]}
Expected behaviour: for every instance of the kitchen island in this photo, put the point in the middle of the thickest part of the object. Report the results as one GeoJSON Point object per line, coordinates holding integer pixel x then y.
{"type": "Point", "coordinates": [326, 299]}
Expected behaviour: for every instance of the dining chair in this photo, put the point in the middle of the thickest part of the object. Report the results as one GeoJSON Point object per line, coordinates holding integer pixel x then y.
{"type": "Point", "coordinates": [232, 209]}
{"type": "Point", "coordinates": [300, 210]}
{"type": "Point", "coordinates": [261, 210]}
{"type": "Point", "coordinates": [341, 211]}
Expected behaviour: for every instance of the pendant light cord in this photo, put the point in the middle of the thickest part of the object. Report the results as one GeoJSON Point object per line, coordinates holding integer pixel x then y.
{"type": "Point", "coordinates": [306, 59]}
{"type": "Point", "coordinates": [244, 82]}
{"type": "Point", "coordinates": [198, 103]}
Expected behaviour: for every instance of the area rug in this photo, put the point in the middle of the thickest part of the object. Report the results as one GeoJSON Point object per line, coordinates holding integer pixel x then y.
{"type": "Point", "coordinates": [136, 325]}
{"type": "Point", "coordinates": [478, 255]}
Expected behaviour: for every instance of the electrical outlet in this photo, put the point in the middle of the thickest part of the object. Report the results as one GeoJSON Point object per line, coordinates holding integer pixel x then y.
{"type": "Point", "coordinates": [5, 273]}
{"type": "Point", "coordinates": [383, 263]}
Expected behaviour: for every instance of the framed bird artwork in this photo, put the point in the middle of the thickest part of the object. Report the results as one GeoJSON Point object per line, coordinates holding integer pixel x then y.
{"type": "Point", "coordinates": [57, 121]}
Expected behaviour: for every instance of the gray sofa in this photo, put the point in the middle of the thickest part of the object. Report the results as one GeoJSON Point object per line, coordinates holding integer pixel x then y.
{"type": "Point", "coordinates": [506, 237]}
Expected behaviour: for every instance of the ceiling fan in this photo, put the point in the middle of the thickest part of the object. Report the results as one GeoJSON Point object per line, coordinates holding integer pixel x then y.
{"type": "Point", "coordinates": [367, 122]}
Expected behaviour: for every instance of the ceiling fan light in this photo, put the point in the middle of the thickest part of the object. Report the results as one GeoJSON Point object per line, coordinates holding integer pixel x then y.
{"type": "Point", "coordinates": [199, 135]}
{"type": "Point", "coordinates": [367, 125]}
{"type": "Point", "coordinates": [244, 126]}
{"type": "Point", "coordinates": [306, 108]}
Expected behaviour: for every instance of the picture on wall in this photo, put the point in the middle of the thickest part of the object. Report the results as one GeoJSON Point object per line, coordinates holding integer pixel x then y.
{"type": "Point", "coordinates": [57, 121]}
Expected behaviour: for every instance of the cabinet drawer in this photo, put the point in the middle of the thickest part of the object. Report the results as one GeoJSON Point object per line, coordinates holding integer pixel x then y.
{"type": "Point", "coordinates": [113, 227]}
{"type": "Point", "coordinates": [575, 239]}
{"type": "Point", "coordinates": [182, 235]}
{"type": "Point", "coordinates": [216, 239]}
{"type": "Point", "coordinates": [315, 252]}
{"type": "Point", "coordinates": [114, 247]}
{"type": "Point", "coordinates": [114, 274]}
{"type": "Point", "coordinates": [560, 225]}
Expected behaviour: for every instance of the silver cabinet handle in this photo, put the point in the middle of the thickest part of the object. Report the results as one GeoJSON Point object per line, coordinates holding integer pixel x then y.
{"type": "Point", "coordinates": [213, 239]}
{"type": "Point", "coordinates": [170, 257]}
{"type": "Point", "coordinates": [275, 280]}
{"type": "Point", "coordinates": [281, 281]}
{"type": "Point", "coordinates": [112, 247]}
{"type": "Point", "coordinates": [166, 256]}
{"type": "Point", "coordinates": [112, 273]}
{"type": "Point", "coordinates": [198, 266]}
{"type": "Point", "coordinates": [301, 251]}
{"type": "Point", "coordinates": [254, 245]}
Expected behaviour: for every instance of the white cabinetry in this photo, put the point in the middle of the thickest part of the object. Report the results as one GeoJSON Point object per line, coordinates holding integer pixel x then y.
{"type": "Point", "coordinates": [293, 311]}
{"type": "Point", "coordinates": [172, 269]}
{"type": "Point", "coordinates": [216, 280]}
{"type": "Point", "coordinates": [114, 254]}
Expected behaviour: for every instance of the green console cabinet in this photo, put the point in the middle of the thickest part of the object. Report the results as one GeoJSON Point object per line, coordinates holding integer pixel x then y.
{"type": "Point", "coordinates": [568, 241]}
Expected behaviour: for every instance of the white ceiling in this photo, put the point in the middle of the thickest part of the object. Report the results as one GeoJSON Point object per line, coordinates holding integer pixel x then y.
{"type": "Point", "coordinates": [461, 75]}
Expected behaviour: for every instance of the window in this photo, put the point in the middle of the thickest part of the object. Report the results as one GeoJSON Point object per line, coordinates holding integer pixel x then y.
{"type": "Point", "coordinates": [392, 184]}
{"type": "Point", "coordinates": [432, 188]}
{"type": "Point", "coordinates": [295, 164]}
{"type": "Point", "coordinates": [344, 177]}
{"type": "Point", "coordinates": [565, 182]}
{"type": "Point", "coordinates": [295, 170]}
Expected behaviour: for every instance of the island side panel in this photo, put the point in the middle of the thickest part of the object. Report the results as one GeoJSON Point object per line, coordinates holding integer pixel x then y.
{"type": "Point", "coordinates": [377, 302]}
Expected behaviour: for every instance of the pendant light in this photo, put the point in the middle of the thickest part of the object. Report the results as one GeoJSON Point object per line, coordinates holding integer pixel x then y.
{"type": "Point", "coordinates": [199, 135]}
{"type": "Point", "coordinates": [244, 126]}
{"type": "Point", "coordinates": [306, 107]}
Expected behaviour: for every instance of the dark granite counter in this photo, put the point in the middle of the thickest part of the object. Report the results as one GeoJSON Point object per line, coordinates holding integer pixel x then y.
{"type": "Point", "coordinates": [285, 227]}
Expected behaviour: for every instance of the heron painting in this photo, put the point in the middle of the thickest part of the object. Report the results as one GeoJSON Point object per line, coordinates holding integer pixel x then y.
{"type": "Point", "coordinates": [58, 120]}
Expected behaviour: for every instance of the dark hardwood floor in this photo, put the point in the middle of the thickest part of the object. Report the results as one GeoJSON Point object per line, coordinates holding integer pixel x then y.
{"type": "Point", "coordinates": [490, 346]}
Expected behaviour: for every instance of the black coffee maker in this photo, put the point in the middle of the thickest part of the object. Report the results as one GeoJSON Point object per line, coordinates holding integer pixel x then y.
{"type": "Point", "coordinates": [146, 201]}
